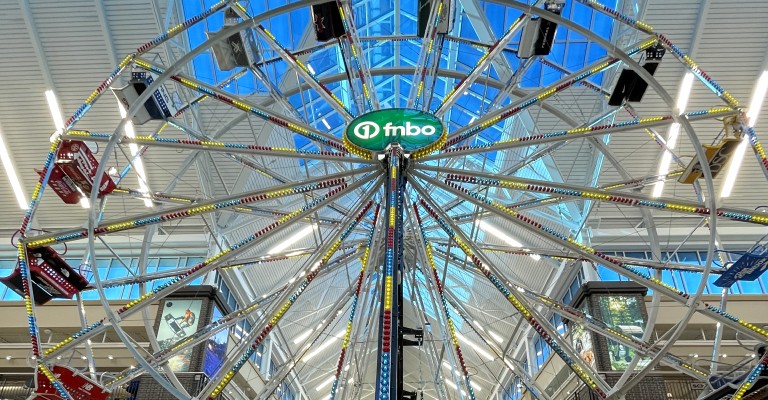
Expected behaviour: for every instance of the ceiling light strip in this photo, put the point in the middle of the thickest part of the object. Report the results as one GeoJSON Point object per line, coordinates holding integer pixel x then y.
{"type": "Point", "coordinates": [758, 97]}
{"type": "Point", "coordinates": [293, 239]}
{"type": "Point", "coordinates": [455, 336]}
{"type": "Point", "coordinates": [278, 315]}
{"type": "Point", "coordinates": [674, 132]}
{"type": "Point", "coordinates": [348, 332]}
{"type": "Point", "coordinates": [13, 178]}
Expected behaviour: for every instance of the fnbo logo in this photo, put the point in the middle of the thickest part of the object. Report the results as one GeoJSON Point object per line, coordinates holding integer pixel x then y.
{"type": "Point", "coordinates": [369, 129]}
{"type": "Point", "coordinates": [411, 129]}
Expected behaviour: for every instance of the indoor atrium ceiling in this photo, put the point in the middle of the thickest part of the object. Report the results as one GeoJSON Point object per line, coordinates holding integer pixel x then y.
{"type": "Point", "coordinates": [71, 46]}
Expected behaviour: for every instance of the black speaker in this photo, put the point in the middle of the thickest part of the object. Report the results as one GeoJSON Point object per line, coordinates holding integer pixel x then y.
{"type": "Point", "coordinates": [328, 22]}
{"type": "Point", "coordinates": [445, 22]}
{"type": "Point", "coordinates": [630, 86]}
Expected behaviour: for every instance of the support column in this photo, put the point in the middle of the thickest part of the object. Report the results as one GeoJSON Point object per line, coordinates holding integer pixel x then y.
{"type": "Point", "coordinates": [389, 371]}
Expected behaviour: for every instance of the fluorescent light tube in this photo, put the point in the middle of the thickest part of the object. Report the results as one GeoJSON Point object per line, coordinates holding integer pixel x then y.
{"type": "Point", "coordinates": [137, 162]}
{"type": "Point", "coordinates": [477, 348]}
{"type": "Point", "coordinates": [293, 239]}
{"type": "Point", "coordinates": [303, 336]}
{"type": "Point", "coordinates": [738, 156]}
{"type": "Point", "coordinates": [503, 236]}
{"type": "Point", "coordinates": [496, 337]}
{"type": "Point", "coordinates": [10, 171]}
{"type": "Point", "coordinates": [674, 131]}
{"type": "Point", "coordinates": [325, 383]}
{"type": "Point", "coordinates": [328, 341]}
{"type": "Point", "coordinates": [53, 105]}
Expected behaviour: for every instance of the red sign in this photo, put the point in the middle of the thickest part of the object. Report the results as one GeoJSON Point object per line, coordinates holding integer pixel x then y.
{"type": "Point", "coordinates": [76, 384]}
{"type": "Point", "coordinates": [75, 168]}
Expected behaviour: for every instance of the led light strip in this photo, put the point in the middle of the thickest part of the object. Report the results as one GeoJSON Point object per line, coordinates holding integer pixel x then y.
{"type": "Point", "coordinates": [224, 381]}
{"type": "Point", "coordinates": [421, 70]}
{"type": "Point", "coordinates": [214, 93]}
{"type": "Point", "coordinates": [475, 71]}
{"type": "Point", "coordinates": [619, 198]}
{"type": "Point", "coordinates": [751, 378]}
{"type": "Point", "coordinates": [367, 84]}
{"type": "Point", "coordinates": [192, 273]}
{"type": "Point", "coordinates": [439, 285]}
{"type": "Point", "coordinates": [200, 208]}
{"type": "Point", "coordinates": [651, 282]}
{"type": "Point", "coordinates": [162, 356]}
{"type": "Point", "coordinates": [199, 99]}
{"type": "Point", "coordinates": [545, 95]}
{"type": "Point", "coordinates": [211, 145]}
{"type": "Point", "coordinates": [578, 132]}
{"type": "Point", "coordinates": [512, 298]}
{"type": "Point", "coordinates": [275, 44]}
{"type": "Point", "coordinates": [363, 265]}
{"type": "Point", "coordinates": [385, 357]}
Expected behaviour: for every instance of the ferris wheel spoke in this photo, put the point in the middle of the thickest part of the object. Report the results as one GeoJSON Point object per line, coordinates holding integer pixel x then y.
{"type": "Point", "coordinates": [599, 327]}
{"type": "Point", "coordinates": [595, 256]}
{"type": "Point", "coordinates": [221, 203]}
{"type": "Point", "coordinates": [223, 147]}
{"type": "Point", "coordinates": [484, 62]}
{"type": "Point", "coordinates": [425, 55]}
{"type": "Point", "coordinates": [358, 54]}
{"type": "Point", "coordinates": [184, 278]}
{"type": "Point", "coordinates": [516, 107]}
{"type": "Point", "coordinates": [305, 73]}
{"type": "Point", "coordinates": [593, 324]}
{"type": "Point", "coordinates": [632, 199]}
{"type": "Point", "coordinates": [224, 97]}
{"type": "Point", "coordinates": [538, 153]}
{"type": "Point", "coordinates": [511, 365]}
{"type": "Point", "coordinates": [438, 284]}
{"type": "Point", "coordinates": [364, 263]}
{"type": "Point", "coordinates": [540, 324]}
{"type": "Point", "coordinates": [576, 133]}
{"type": "Point", "coordinates": [159, 358]}
{"type": "Point", "coordinates": [220, 381]}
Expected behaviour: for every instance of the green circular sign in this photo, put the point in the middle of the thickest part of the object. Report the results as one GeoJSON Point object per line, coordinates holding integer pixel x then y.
{"type": "Point", "coordinates": [413, 130]}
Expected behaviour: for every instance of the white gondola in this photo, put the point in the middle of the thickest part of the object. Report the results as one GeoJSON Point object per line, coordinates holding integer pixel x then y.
{"type": "Point", "coordinates": [159, 106]}
{"type": "Point", "coordinates": [237, 50]}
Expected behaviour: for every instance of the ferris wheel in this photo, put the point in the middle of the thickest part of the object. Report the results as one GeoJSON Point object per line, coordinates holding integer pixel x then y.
{"type": "Point", "coordinates": [380, 199]}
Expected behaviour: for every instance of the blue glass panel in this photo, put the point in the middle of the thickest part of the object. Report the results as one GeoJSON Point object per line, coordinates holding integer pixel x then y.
{"type": "Point", "coordinates": [606, 274]}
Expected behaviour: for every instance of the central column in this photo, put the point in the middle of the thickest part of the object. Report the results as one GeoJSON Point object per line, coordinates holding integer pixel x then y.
{"type": "Point", "coordinates": [389, 371]}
